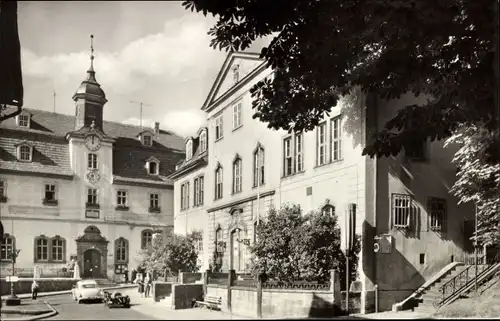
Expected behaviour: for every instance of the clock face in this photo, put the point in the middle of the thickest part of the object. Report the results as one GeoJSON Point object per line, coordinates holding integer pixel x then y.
{"type": "Point", "coordinates": [92, 142]}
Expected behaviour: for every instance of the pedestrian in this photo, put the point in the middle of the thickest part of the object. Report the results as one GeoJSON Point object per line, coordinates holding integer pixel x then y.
{"type": "Point", "coordinates": [147, 285]}
{"type": "Point", "coordinates": [126, 275]}
{"type": "Point", "coordinates": [133, 275]}
{"type": "Point", "coordinates": [34, 290]}
{"type": "Point", "coordinates": [140, 282]}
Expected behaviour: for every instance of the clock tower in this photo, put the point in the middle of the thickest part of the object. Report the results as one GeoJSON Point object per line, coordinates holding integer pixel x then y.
{"type": "Point", "coordinates": [89, 99]}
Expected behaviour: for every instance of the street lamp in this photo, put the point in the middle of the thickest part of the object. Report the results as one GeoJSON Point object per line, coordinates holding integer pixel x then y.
{"type": "Point", "coordinates": [13, 299]}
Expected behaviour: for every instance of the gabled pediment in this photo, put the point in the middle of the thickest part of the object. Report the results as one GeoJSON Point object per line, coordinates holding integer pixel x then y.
{"type": "Point", "coordinates": [244, 63]}
{"type": "Point", "coordinates": [201, 131]}
{"type": "Point", "coordinates": [145, 132]}
{"type": "Point", "coordinates": [24, 143]}
{"type": "Point", "coordinates": [152, 159]}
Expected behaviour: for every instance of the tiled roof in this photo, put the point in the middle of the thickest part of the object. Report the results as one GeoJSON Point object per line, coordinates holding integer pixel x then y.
{"type": "Point", "coordinates": [47, 131]}
{"type": "Point", "coordinates": [197, 158]}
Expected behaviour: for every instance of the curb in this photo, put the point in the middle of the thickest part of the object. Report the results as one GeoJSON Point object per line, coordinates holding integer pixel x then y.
{"type": "Point", "coordinates": [38, 316]}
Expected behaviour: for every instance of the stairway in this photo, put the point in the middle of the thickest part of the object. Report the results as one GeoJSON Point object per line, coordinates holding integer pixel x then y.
{"type": "Point", "coordinates": [425, 302]}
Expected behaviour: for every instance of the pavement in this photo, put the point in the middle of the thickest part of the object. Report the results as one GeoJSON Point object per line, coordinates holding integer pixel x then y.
{"type": "Point", "coordinates": [393, 315]}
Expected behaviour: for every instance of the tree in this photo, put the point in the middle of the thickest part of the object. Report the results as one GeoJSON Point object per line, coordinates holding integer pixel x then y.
{"type": "Point", "coordinates": [11, 81]}
{"type": "Point", "coordinates": [172, 253]}
{"type": "Point", "coordinates": [479, 178]}
{"type": "Point", "coordinates": [295, 247]}
{"type": "Point", "coordinates": [322, 49]}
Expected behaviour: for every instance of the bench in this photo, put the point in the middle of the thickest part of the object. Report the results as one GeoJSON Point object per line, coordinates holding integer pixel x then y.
{"type": "Point", "coordinates": [211, 302]}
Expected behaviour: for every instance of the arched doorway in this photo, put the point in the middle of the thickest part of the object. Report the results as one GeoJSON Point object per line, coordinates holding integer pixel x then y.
{"type": "Point", "coordinates": [91, 264]}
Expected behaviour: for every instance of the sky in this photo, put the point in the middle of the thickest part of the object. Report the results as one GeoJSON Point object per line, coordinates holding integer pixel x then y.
{"type": "Point", "coordinates": [150, 51]}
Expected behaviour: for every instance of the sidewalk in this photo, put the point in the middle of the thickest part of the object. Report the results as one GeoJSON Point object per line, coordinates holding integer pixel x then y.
{"type": "Point", "coordinates": [162, 310]}
{"type": "Point", "coordinates": [394, 315]}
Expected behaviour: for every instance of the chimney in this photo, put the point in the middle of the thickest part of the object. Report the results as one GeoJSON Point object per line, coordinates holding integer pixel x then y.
{"type": "Point", "coordinates": [157, 129]}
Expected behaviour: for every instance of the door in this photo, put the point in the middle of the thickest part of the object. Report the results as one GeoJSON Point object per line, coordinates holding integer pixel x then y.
{"type": "Point", "coordinates": [238, 257]}
{"type": "Point", "coordinates": [91, 264]}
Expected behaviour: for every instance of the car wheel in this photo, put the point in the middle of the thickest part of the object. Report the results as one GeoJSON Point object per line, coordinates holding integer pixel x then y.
{"type": "Point", "coordinates": [79, 301]}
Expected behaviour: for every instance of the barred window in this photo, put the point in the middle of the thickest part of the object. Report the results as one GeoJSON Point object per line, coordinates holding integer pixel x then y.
{"type": "Point", "coordinates": [401, 210]}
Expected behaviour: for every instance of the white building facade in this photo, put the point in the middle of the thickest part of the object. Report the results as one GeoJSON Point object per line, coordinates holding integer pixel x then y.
{"type": "Point", "coordinates": [82, 188]}
{"type": "Point", "coordinates": [245, 168]}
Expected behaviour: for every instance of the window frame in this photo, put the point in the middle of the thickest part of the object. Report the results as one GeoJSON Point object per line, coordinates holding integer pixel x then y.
{"type": "Point", "coordinates": [92, 161]}
{"type": "Point", "coordinates": [154, 197]}
{"type": "Point", "coordinates": [62, 249]}
{"type": "Point", "coordinates": [156, 167]}
{"type": "Point", "coordinates": [219, 236]}
{"type": "Point", "coordinates": [38, 247]}
{"type": "Point", "coordinates": [3, 188]}
{"type": "Point", "coordinates": [336, 137]}
{"type": "Point", "coordinates": [94, 195]}
{"type": "Point", "coordinates": [299, 153]}
{"type": "Point", "coordinates": [219, 127]}
{"type": "Point", "coordinates": [198, 188]}
{"type": "Point", "coordinates": [29, 152]}
{"type": "Point", "coordinates": [287, 156]}
{"type": "Point", "coordinates": [145, 239]}
{"type": "Point", "coordinates": [6, 246]}
{"type": "Point", "coordinates": [321, 158]}
{"type": "Point", "coordinates": [259, 171]}
{"type": "Point", "coordinates": [328, 209]}
{"type": "Point", "coordinates": [237, 175]}
{"type": "Point", "coordinates": [20, 121]}
{"type": "Point", "coordinates": [219, 192]}
{"type": "Point", "coordinates": [189, 149]}
{"type": "Point", "coordinates": [122, 244]}
{"type": "Point", "coordinates": [408, 208]}
{"type": "Point", "coordinates": [433, 214]}
{"type": "Point", "coordinates": [237, 114]}
{"type": "Point", "coordinates": [122, 197]}
{"type": "Point", "coordinates": [185, 196]}
{"type": "Point", "coordinates": [203, 141]}
{"type": "Point", "coordinates": [45, 191]}
{"type": "Point", "coordinates": [150, 137]}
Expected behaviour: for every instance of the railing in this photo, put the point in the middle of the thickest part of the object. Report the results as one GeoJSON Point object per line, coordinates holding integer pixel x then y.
{"type": "Point", "coordinates": [459, 282]}
{"type": "Point", "coordinates": [296, 285]}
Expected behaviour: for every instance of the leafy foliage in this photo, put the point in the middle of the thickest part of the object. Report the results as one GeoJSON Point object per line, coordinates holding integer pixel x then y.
{"type": "Point", "coordinates": [172, 253]}
{"type": "Point", "coordinates": [325, 48]}
{"type": "Point", "coordinates": [479, 177]}
{"type": "Point", "coordinates": [295, 247]}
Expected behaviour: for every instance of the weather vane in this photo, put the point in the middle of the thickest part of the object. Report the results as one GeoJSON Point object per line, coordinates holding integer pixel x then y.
{"type": "Point", "coordinates": [91, 47]}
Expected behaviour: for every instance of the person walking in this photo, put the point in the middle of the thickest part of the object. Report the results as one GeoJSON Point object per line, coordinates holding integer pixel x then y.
{"type": "Point", "coordinates": [133, 275]}
{"type": "Point", "coordinates": [147, 284]}
{"type": "Point", "coordinates": [126, 275]}
{"type": "Point", "coordinates": [34, 290]}
{"type": "Point", "coordinates": [140, 282]}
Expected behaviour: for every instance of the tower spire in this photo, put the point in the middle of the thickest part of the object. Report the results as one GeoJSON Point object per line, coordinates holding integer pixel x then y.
{"type": "Point", "coordinates": [91, 53]}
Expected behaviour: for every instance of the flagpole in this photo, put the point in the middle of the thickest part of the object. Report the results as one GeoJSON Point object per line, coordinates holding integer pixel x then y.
{"type": "Point", "coordinates": [258, 184]}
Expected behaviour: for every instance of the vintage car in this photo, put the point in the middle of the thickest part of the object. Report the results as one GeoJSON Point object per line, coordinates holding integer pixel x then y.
{"type": "Point", "coordinates": [116, 300]}
{"type": "Point", "coordinates": [87, 290]}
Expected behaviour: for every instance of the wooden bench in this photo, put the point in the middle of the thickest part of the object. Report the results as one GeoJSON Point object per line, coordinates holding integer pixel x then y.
{"type": "Point", "coordinates": [211, 302]}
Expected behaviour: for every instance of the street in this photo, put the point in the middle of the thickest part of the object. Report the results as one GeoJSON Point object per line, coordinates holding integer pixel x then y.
{"type": "Point", "coordinates": [70, 310]}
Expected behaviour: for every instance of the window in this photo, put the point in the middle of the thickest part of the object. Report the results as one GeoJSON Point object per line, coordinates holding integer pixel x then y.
{"type": "Point", "coordinates": [41, 249]}
{"type": "Point", "coordinates": [57, 248]}
{"type": "Point", "coordinates": [258, 169]}
{"type": "Point", "coordinates": [50, 193]}
{"type": "Point", "coordinates": [218, 182]}
{"type": "Point", "coordinates": [147, 140]}
{"type": "Point", "coordinates": [218, 240]}
{"type": "Point", "coordinates": [121, 250]}
{"type": "Point", "coordinates": [185, 196]}
{"type": "Point", "coordinates": [415, 149]}
{"type": "Point", "coordinates": [437, 213]}
{"type": "Point", "coordinates": [153, 168]}
{"type": "Point", "coordinates": [25, 153]}
{"type": "Point", "coordinates": [3, 194]}
{"type": "Point", "coordinates": [23, 120]}
{"type": "Point", "coordinates": [237, 115]}
{"type": "Point", "coordinates": [92, 161]}
{"type": "Point", "coordinates": [288, 161]}
{"type": "Point", "coordinates": [92, 196]}
{"type": "Point", "coordinates": [146, 239]}
{"type": "Point", "coordinates": [121, 198]}
{"type": "Point", "coordinates": [321, 144]}
{"type": "Point", "coordinates": [219, 128]}
{"type": "Point", "coordinates": [336, 139]}
{"type": "Point", "coordinates": [7, 247]}
{"type": "Point", "coordinates": [401, 210]}
{"type": "Point", "coordinates": [189, 150]}
{"type": "Point", "coordinates": [198, 190]}
{"type": "Point", "coordinates": [299, 152]}
{"type": "Point", "coordinates": [328, 210]}
{"type": "Point", "coordinates": [236, 73]}
{"type": "Point", "coordinates": [154, 202]}
{"type": "Point", "coordinates": [237, 175]}
{"type": "Point", "coordinates": [203, 141]}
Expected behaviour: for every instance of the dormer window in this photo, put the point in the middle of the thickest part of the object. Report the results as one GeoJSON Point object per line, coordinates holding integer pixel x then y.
{"type": "Point", "coordinates": [147, 140]}
{"type": "Point", "coordinates": [189, 150]}
{"type": "Point", "coordinates": [153, 166]}
{"type": "Point", "coordinates": [203, 141]}
{"type": "Point", "coordinates": [23, 120]}
{"type": "Point", "coordinates": [24, 152]}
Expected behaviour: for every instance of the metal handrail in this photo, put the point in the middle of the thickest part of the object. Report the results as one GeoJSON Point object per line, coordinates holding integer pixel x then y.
{"type": "Point", "coordinates": [457, 284]}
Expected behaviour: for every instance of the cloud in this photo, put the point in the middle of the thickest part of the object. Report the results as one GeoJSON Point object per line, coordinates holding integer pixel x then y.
{"type": "Point", "coordinates": [182, 122]}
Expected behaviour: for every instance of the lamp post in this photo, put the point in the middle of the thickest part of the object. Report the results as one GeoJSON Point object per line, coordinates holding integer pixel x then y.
{"type": "Point", "coordinates": [13, 299]}
{"type": "Point", "coordinates": [475, 251]}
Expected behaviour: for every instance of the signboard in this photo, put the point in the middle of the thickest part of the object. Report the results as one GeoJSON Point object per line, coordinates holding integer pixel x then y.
{"type": "Point", "coordinates": [382, 244]}
{"type": "Point", "coordinates": [349, 228]}
{"type": "Point", "coordinates": [11, 278]}
{"type": "Point", "coordinates": [92, 213]}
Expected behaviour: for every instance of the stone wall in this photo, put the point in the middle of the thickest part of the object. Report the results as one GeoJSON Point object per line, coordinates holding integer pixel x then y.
{"type": "Point", "coordinates": [189, 277]}
{"type": "Point", "coordinates": [45, 285]}
{"type": "Point", "coordinates": [184, 295]}
{"type": "Point", "coordinates": [161, 290]}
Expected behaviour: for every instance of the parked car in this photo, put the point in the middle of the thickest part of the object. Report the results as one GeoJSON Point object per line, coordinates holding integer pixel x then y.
{"type": "Point", "coordinates": [87, 290]}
